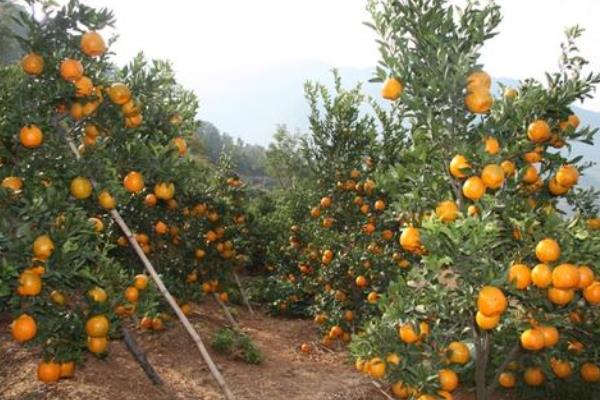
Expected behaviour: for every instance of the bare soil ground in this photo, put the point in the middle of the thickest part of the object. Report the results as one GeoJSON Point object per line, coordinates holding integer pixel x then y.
{"type": "Point", "coordinates": [286, 373]}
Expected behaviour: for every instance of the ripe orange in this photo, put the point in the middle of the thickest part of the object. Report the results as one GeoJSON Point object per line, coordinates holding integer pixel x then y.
{"type": "Point", "coordinates": [567, 176]}
{"type": "Point", "coordinates": [130, 109]}
{"type": "Point", "coordinates": [560, 296]}
{"type": "Point", "coordinates": [555, 188]}
{"type": "Point", "coordinates": [507, 380]}
{"type": "Point", "coordinates": [532, 157]}
{"type": "Point", "coordinates": [12, 183]}
{"type": "Point", "coordinates": [479, 101]}
{"type": "Point", "coordinates": [97, 326]}
{"type": "Point", "coordinates": [92, 44]}
{"type": "Point", "coordinates": [448, 380]}
{"type": "Point", "coordinates": [43, 247]}
{"type": "Point", "coordinates": [106, 200]}
{"type": "Point", "coordinates": [97, 345]}
{"type": "Point", "coordinates": [315, 212]}
{"type": "Point", "coordinates": [492, 176]}
{"type": "Point", "coordinates": [224, 297]}
{"type": "Point", "coordinates": [158, 324]}
{"type": "Point", "coordinates": [510, 93]}
{"type": "Point", "coordinates": [181, 145]}
{"type": "Point", "coordinates": [325, 202]}
{"type": "Point", "coordinates": [361, 281]}
{"type": "Point", "coordinates": [186, 309]}
{"type": "Point", "coordinates": [161, 228]}
{"type": "Point", "coordinates": [458, 353]}
{"type": "Point", "coordinates": [97, 294]}
{"type": "Point", "coordinates": [541, 276]}
{"type": "Point", "coordinates": [531, 175]}
{"type": "Point", "coordinates": [392, 358]}
{"type": "Point", "coordinates": [305, 348]}
{"type": "Point", "coordinates": [410, 239]}
{"type": "Point", "coordinates": [473, 188]}
{"type": "Point", "coordinates": [592, 293]}
{"type": "Point", "coordinates": [447, 211]}
{"type": "Point", "coordinates": [486, 323]}
{"type": "Point", "coordinates": [508, 167]}
{"type": "Point", "coordinates": [586, 276]}
{"type": "Point", "coordinates": [590, 372]}
{"type": "Point", "coordinates": [67, 369]}
{"type": "Point", "coordinates": [392, 89]}
{"type": "Point", "coordinates": [372, 297]}
{"type": "Point", "coordinates": [458, 165]}
{"type": "Point", "coordinates": [492, 146]}
{"type": "Point", "coordinates": [132, 294]}
{"type": "Point", "coordinates": [380, 205]}
{"type": "Point", "coordinates": [164, 190]}
{"type": "Point", "coordinates": [24, 328]}
{"type": "Point", "coordinates": [520, 276]}
{"type": "Point", "coordinates": [133, 121]}
{"type": "Point", "coordinates": [538, 131]}
{"type": "Point", "coordinates": [571, 122]}
{"type": "Point", "coordinates": [119, 93]}
{"type": "Point", "coordinates": [140, 281]}
{"type": "Point", "coordinates": [31, 136]}
{"type": "Point", "coordinates": [58, 298]}
{"type": "Point", "coordinates": [76, 111]}
{"type": "Point", "coordinates": [48, 371]}
{"type": "Point", "coordinates": [32, 64]}
{"type": "Point", "coordinates": [377, 368]}
{"type": "Point", "coordinates": [133, 182]}
{"type": "Point", "coordinates": [97, 223]}
{"type": "Point", "coordinates": [532, 339]}
{"type": "Point", "coordinates": [491, 301]}
{"type": "Point", "coordinates": [565, 276]}
{"type": "Point", "coordinates": [400, 390]}
{"type": "Point", "coordinates": [534, 376]}
{"type": "Point", "coordinates": [472, 210]}
{"type": "Point", "coordinates": [71, 70]}
{"type": "Point", "coordinates": [30, 284]}
{"type": "Point", "coordinates": [562, 369]}
{"type": "Point", "coordinates": [479, 79]}
{"type": "Point", "coordinates": [547, 250]}
{"type": "Point", "coordinates": [81, 188]}
{"type": "Point", "coordinates": [407, 334]}
{"type": "Point", "coordinates": [84, 87]}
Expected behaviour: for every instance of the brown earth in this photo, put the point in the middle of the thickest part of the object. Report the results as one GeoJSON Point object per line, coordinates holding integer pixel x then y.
{"type": "Point", "coordinates": [286, 373]}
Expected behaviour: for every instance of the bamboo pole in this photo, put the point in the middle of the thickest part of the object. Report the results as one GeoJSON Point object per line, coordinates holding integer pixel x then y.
{"type": "Point", "coordinates": [162, 288]}
{"type": "Point", "coordinates": [230, 318]}
{"type": "Point", "coordinates": [243, 293]}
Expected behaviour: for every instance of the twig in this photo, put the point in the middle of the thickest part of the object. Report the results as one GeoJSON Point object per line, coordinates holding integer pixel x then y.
{"type": "Point", "coordinates": [140, 357]}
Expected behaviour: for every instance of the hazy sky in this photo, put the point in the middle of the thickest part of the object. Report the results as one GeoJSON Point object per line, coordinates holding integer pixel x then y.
{"type": "Point", "coordinates": [216, 43]}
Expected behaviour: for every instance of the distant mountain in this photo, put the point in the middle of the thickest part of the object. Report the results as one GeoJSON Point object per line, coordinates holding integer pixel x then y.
{"type": "Point", "coordinates": [277, 96]}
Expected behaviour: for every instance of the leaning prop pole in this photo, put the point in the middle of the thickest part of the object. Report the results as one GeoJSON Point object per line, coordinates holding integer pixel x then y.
{"type": "Point", "coordinates": [161, 286]}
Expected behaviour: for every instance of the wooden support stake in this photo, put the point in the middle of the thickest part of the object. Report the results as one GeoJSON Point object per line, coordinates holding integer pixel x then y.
{"type": "Point", "coordinates": [162, 288]}
{"type": "Point", "coordinates": [243, 292]}
{"type": "Point", "coordinates": [230, 318]}
{"type": "Point", "coordinates": [383, 392]}
{"type": "Point", "coordinates": [140, 357]}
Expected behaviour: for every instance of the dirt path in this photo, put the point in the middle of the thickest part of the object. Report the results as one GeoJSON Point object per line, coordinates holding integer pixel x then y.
{"type": "Point", "coordinates": [285, 374]}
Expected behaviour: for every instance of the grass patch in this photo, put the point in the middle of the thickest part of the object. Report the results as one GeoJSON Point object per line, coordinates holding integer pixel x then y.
{"type": "Point", "coordinates": [238, 345]}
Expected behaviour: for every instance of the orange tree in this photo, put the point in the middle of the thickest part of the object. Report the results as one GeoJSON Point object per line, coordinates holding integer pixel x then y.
{"type": "Point", "coordinates": [504, 296]}
{"type": "Point", "coordinates": [79, 138]}
{"type": "Point", "coordinates": [339, 253]}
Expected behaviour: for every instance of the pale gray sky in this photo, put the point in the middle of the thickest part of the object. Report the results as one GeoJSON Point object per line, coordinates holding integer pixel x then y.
{"type": "Point", "coordinates": [215, 44]}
